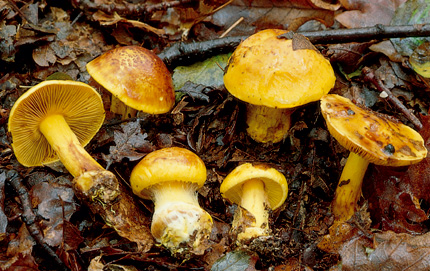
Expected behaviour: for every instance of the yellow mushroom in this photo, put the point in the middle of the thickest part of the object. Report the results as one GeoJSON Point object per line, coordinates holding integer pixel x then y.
{"type": "Point", "coordinates": [137, 78]}
{"type": "Point", "coordinates": [257, 189]}
{"type": "Point", "coordinates": [273, 78]}
{"type": "Point", "coordinates": [170, 178]}
{"type": "Point", "coordinates": [54, 120]}
{"type": "Point", "coordinates": [370, 138]}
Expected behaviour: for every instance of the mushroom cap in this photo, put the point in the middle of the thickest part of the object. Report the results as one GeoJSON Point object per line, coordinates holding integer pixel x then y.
{"type": "Point", "coordinates": [137, 76]}
{"type": "Point", "coordinates": [275, 184]}
{"type": "Point", "coordinates": [373, 136]}
{"type": "Point", "coordinates": [79, 103]}
{"type": "Point", "coordinates": [265, 70]}
{"type": "Point", "coordinates": [167, 165]}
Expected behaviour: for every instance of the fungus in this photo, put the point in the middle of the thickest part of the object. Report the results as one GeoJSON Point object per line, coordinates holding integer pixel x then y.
{"type": "Point", "coordinates": [170, 178]}
{"type": "Point", "coordinates": [370, 138]}
{"type": "Point", "coordinates": [273, 78]}
{"type": "Point", "coordinates": [137, 78]}
{"type": "Point", "coordinates": [54, 120]}
{"type": "Point", "coordinates": [256, 189]}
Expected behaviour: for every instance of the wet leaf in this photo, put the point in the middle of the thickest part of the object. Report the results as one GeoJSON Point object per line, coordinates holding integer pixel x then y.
{"type": "Point", "coordinates": [19, 252]}
{"type": "Point", "coordinates": [362, 13]}
{"type": "Point", "coordinates": [266, 14]}
{"type": "Point", "coordinates": [55, 203]}
{"type": "Point", "coordinates": [235, 261]}
{"type": "Point", "coordinates": [208, 73]}
{"type": "Point", "coordinates": [410, 13]}
{"type": "Point", "coordinates": [395, 196]}
{"type": "Point", "coordinates": [131, 143]}
{"type": "Point", "coordinates": [3, 217]}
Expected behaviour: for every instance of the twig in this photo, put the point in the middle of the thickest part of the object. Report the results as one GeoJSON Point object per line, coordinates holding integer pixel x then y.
{"type": "Point", "coordinates": [126, 8]}
{"type": "Point", "coordinates": [29, 217]}
{"type": "Point", "coordinates": [370, 76]}
{"type": "Point", "coordinates": [231, 27]}
{"type": "Point", "coordinates": [13, 5]}
{"type": "Point", "coordinates": [194, 51]}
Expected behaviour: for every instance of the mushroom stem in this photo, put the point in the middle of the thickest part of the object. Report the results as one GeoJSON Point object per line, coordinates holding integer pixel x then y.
{"type": "Point", "coordinates": [67, 146]}
{"type": "Point", "coordinates": [254, 200]}
{"type": "Point", "coordinates": [348, 191]}
{"type": "Point", "coordinates": [178, 217]}
{"type": "Point", "coordinates": [118, 107]}
{"type": "Point", "coordinates": [266, 124]}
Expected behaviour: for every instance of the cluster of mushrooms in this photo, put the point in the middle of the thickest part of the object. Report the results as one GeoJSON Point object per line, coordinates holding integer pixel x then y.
{"type": "Point", "coordinates": [57, 118]}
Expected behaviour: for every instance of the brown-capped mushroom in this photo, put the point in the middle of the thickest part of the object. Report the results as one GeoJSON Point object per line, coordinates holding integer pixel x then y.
{"type": "Point", "coordinates": [135, 76]}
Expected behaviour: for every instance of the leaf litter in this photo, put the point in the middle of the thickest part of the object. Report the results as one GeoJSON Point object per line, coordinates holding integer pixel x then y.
{"type": "Point", "coordinates": [390, 230]}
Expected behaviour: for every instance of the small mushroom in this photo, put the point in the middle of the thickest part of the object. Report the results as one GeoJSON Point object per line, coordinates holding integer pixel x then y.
{"type": "Point", "coordinates": [54, 120]}
{"type": "Point", "coordinates": [170, 178]}
{"type": "Point", "coordinates": [370, 138]}
{"type": "Point", "coordinates": [257, 189]}
{"type": "Point", "coordinates": [135, 76]}
{"type": "Point", "coordinates": [273, 78]}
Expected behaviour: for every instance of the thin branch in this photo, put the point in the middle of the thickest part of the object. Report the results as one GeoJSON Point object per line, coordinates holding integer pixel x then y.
{"type": "Point", "coordinates": [29, 217]}
{"type": "Point", "coordinates": [126, 8]}
{"type": "Point", "coordinates": [370, 76]}
{"type": "Point", "coordinates": [193, 51]}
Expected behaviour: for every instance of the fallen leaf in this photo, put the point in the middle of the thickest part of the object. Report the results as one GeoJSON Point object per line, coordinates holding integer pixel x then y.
{"type": "Point", "coordinates": [264, 14]}
{"type": "Point", "coordinates": [55, 203]}
{"type": "Point", "coordinates": [19, 251]}
{"type": "Point", "coordinates": [363, 13]}
{"type": "Point", "coordinates": [208, 73]}
{"type": "Point", "coordinates": [127, 143]}
{"type": "Point", "coordinates": [235, 261]}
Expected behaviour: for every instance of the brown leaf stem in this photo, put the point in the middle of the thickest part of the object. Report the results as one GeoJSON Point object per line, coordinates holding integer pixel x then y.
{"type": "Point", "coordinates": [370, 76]}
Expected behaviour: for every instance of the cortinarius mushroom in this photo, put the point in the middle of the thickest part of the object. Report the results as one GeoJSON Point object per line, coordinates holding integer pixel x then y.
{"type": "Point", "coordinates": [370, 138]}
{"type": "Point", "coordinates": [170, 177]}
{"type": "Point", "coordinates": [54, 120]}
{"type": "Point", "coordinates": [135, 76]}
{"type": "Point", "coordinates": [257, 189]}
{"type": "Point", "coordinates": [272, 77]}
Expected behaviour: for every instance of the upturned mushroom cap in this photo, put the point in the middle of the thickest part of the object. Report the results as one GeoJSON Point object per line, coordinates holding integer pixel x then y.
{"type": "Point", "coordinates": [167, 165]}
{"type": "Point", "coordinates": [275, 184]}
{"type": "Point", "coordinates": [374, 137]}
{"type": "Point", "coordinates": [80, 104]}
{"type": "Point", "coordinates": [265, 70]}
{"type": "Point", "coordinates": [135, 75]}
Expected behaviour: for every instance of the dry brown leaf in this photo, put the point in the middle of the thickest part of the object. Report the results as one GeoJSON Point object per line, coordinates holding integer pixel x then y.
{"type": "Point", "coordinates": [18, 256]}
{"type": "Point", "coordinates": [112, 19]}
{"type": "Point", "coordinates": [268, 14]}
{"type": "Point", "coordinates": [364, 13]}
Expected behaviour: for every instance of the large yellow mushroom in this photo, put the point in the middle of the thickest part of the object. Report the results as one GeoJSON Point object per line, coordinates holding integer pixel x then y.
{"type": "Point", "coordinates": [54, 120]}
{"type": "Point", "coordinates": [370, 138]}
{"type": "Point", "coordinates": [170, 177]}
{"type": "Point", "coordinates": [273, 78]}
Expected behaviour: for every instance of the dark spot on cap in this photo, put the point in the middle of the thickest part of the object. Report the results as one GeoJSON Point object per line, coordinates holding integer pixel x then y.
{"type": "Point", "coordinates": [389, 149]}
